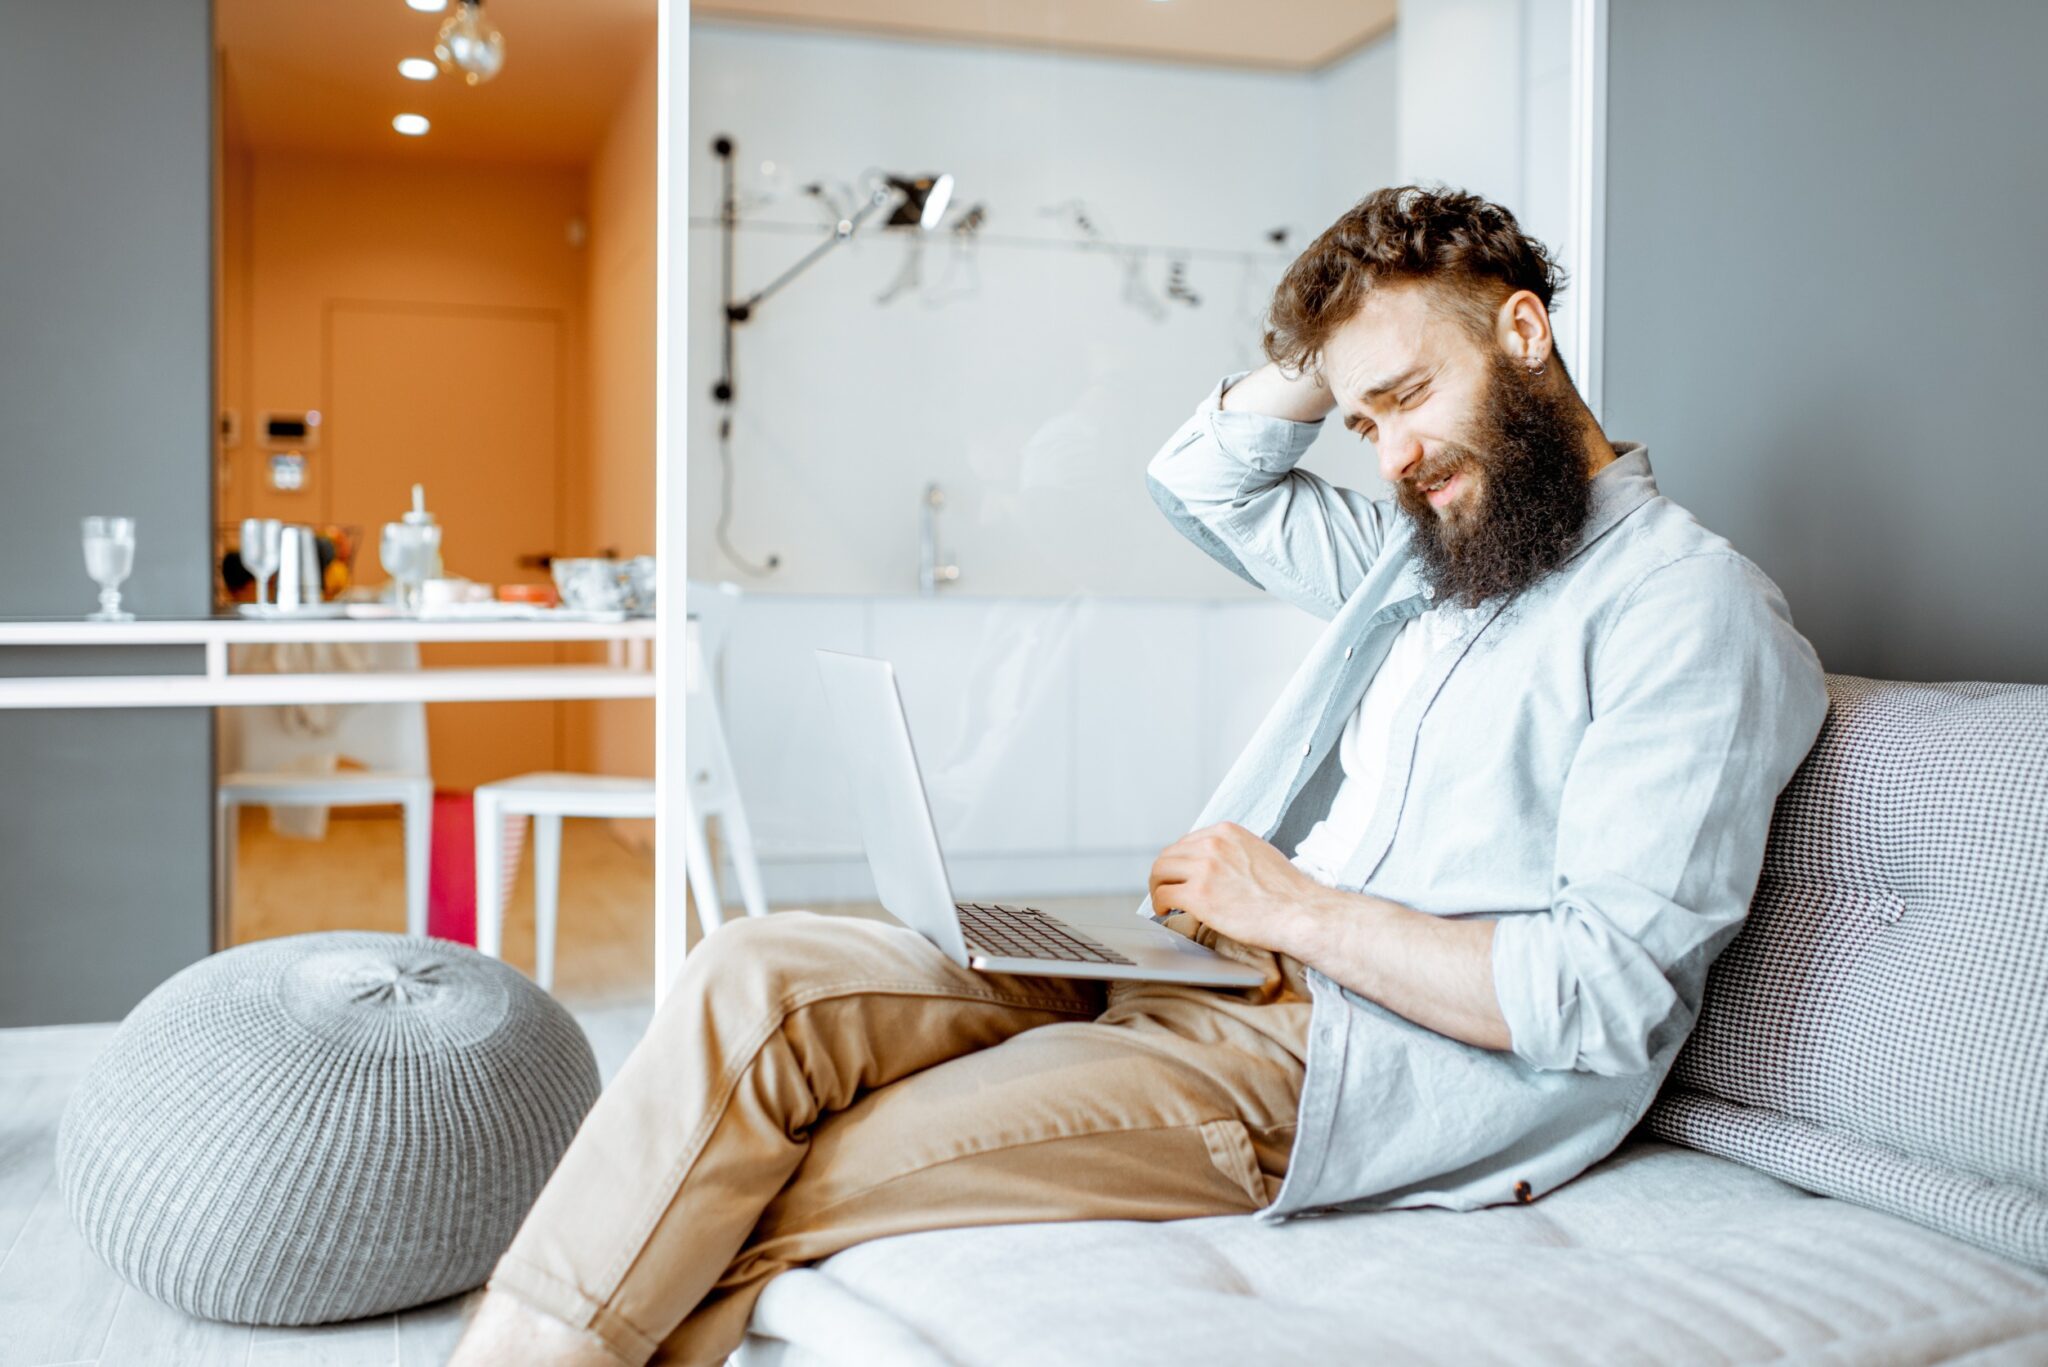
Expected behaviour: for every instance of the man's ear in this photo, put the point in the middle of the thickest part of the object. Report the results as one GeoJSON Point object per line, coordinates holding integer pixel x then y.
{"type": "Point", "coordinates": [1522, 327]}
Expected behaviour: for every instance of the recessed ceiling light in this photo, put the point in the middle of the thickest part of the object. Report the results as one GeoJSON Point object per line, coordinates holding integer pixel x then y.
{"type": "Point", "coordinates": [428, 6]}
{"type": "Point", "coordinates": [418, 69]}
{"type": "Point", "coordinates": [412, 125]}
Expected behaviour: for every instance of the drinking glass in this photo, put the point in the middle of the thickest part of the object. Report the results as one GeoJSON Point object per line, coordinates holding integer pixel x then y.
{"type": "Point", "coordinates": [260, 537]}
{"type": "Point", "coordinates": [109, 556]}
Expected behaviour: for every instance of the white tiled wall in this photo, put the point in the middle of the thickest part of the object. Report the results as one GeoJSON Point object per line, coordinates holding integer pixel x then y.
{"type": "Point", "coordinates": [1064, 741]}
{"type": "Point", "coordinates": [1015, 375]}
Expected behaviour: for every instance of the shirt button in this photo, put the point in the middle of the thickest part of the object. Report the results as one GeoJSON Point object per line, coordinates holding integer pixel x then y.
{"type": "Point", "coordinates": [1522, 1193]}
{"type": "Point", "coordinates": [1347, 652]}
{"type": "Point", "coordinates": [1429, 590]}
{"type": "Point", "coordinates": [1309, 748]}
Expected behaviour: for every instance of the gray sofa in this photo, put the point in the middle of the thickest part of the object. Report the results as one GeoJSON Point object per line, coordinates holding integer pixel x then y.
{"type": "Point", "coordinates": [1849, 1162]}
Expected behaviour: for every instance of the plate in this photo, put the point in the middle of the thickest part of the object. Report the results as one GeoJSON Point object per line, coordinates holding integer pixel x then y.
{"type": "Point", "coordinates": [309, 612]}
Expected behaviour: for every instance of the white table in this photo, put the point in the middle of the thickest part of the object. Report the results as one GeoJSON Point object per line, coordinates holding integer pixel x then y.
{"type": "Point", "coordinates": [629, 673]}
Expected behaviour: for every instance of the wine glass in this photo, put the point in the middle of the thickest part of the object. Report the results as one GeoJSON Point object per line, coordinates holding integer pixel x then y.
{"type": "Point", "coordinates": [109, 556]}
{"type": "Point", "coordinates": [260, 537]}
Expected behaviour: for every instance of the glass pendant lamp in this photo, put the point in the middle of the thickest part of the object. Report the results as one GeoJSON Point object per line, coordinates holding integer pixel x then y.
{"type": "Point", "coordinates": [470, 45]}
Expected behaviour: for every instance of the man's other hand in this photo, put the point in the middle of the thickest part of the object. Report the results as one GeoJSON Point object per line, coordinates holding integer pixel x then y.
{"type": "Point", "coordinates": [1237, 884]}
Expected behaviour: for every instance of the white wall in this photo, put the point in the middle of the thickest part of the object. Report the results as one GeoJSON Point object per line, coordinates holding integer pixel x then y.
{"type": "Point", "coordinates": [1357, 110]}
{"type": "Point", "coordinates": [1485, 105]}
{"type": "Point", "coordinates": [1036, 396]}
{"type": "Point", "coordinates": [1460, 106]}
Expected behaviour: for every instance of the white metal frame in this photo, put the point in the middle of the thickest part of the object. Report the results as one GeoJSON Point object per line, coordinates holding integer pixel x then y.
{"type": "Point", "coordinates": [1589, 195]}
{"type": "Point", "coordinates": [671, 490]}
{"type": "Point", "coordinates": [629, 674]}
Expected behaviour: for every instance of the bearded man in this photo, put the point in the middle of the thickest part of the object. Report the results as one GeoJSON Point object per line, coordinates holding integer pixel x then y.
{"type": "Point", "coordinates": [1483, 849]}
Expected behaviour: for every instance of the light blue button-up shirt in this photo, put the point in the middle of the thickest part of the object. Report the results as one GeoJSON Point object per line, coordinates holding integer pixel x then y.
{"type": "Point", "coordinates": [1594, 765]}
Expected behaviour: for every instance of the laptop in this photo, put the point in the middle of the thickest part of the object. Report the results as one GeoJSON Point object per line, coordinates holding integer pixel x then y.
{"type": "Point", "coordinates": [910, 873]}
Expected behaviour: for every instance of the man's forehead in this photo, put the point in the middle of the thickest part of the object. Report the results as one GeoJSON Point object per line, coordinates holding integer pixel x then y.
{"type": "Point", "coordinates": [1395, 330]}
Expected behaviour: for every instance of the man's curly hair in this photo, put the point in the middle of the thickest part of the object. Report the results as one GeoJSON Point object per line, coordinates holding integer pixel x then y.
{"type": "Point", "coordinates": [1470, 247]}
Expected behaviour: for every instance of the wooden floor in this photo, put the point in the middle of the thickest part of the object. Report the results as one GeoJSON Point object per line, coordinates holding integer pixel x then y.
{"type": "Point", "coordinates": [354, 879]}
{"type": "Point", "coordinates": [61, 1307]}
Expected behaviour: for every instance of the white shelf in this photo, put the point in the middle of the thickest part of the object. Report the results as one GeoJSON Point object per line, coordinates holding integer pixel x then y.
{"type": "Point", "coordinates": [270, 631]}
{"type": "Point", "coordinates": [508, 684]}
{"type": "Point", "coordinates": [629, 674]}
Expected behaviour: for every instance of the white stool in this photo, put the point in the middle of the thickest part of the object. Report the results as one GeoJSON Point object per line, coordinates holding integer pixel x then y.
{"type": "Point", "coordinates": [502, 808]}
{"type": "Point", "coordinates": [710, 793]}
{"type": "Point", "coordinates": [413, 792]}
{"type": "Point", "coordinates": [265, 753]}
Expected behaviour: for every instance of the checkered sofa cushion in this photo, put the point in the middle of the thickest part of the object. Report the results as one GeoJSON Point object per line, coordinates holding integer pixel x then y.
{"type": "Point", "coordinates": [1879, 1030]}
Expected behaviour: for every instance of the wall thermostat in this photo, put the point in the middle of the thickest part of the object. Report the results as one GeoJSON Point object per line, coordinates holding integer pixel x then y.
{"type": "Point", "coordinates": [287, 471]}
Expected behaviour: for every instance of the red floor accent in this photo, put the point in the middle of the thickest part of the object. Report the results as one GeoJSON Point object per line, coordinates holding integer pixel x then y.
{"type": "Point", "coordinates": [451, 883]}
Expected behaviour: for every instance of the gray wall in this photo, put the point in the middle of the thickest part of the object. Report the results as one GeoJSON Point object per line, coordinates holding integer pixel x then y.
{"type": "Point", "coordinates": [105, 401]}
{"type": "Point", "coordinates": [1827, 255]}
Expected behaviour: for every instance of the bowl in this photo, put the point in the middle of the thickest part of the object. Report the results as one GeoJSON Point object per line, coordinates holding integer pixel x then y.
{"type": "Point", "coordinates": [590, 585]}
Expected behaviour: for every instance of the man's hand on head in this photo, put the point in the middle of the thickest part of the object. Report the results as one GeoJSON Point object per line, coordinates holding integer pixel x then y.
{"type": "Point", "coordinates": [1237, 884]}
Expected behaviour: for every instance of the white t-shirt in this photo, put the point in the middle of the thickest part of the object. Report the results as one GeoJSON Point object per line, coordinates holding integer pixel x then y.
{"type": "Point", "coordinates": [1362, 749]}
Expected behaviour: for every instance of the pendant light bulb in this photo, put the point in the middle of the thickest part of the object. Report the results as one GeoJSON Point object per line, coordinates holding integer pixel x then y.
{"type": "Point", "coordinates": [470, 45]}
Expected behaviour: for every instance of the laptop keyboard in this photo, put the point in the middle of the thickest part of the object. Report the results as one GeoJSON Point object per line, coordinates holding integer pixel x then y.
{"type": "Point", "coordinates": [1004, 932]}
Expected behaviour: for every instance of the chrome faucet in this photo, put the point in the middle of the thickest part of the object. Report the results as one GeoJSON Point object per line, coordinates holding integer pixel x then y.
{"type": "Point", "coordinates": [930, 573]}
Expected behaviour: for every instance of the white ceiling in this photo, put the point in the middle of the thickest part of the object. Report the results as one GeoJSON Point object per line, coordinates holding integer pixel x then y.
{"type": "Point", "coordinates": [1288, 35]}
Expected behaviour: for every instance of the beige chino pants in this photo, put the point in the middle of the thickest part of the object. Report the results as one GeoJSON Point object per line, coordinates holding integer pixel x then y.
{"type": "Point", "coordinates": [813, 1082]}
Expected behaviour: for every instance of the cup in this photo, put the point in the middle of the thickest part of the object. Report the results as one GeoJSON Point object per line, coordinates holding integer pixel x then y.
{"type": "Point", "coordinates": [641, 582]}
{"type": "Point", "coordinates": [439, 595]}
{"type": "Point", "coordinates": [258, 549]}
{"type": "Point", "coordinates": [109, 556]}
{"type": "Point", "coordinates": [298, 568]}
{"type": "Point", "coordinates": [590, 585]}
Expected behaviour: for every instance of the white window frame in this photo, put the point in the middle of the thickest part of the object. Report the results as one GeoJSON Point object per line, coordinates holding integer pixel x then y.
{"type": "Point", "coordinates": [673, 391]}
{"type": "Point", "coordinates": [1589, 195]}
{"type": "Point", "coordinates": [671, 487]}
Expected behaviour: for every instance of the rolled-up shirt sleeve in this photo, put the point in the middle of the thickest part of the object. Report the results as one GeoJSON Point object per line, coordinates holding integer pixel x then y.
{"type": "Point", "coordinates": [1227, 481]}
{"type": "Point", "coordinates": [1703, 700]}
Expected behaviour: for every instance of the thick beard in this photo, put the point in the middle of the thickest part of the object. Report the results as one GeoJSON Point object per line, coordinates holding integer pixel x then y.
{"type": "Point", "coordinates": [1527, 502]}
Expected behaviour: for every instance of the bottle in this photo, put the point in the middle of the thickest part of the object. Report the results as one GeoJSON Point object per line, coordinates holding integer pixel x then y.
{"type": "Point", "coordinates": [428, 541]}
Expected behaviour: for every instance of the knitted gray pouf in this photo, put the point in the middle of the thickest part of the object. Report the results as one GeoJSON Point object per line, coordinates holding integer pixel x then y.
{"type": "Point", "coordinates": [322, 1127]}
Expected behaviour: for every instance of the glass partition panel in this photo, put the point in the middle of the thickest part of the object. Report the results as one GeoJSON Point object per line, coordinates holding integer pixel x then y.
{"type": "Point", "coordinates": [951, 289]}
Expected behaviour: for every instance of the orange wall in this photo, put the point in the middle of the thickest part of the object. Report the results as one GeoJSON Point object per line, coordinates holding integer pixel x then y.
{"type": "Point", "coordinates": [301, 231]}
{"type": "Point", "coordinates": [309, 240]}
{"type": "Point", "coordinates": [618, 502]}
